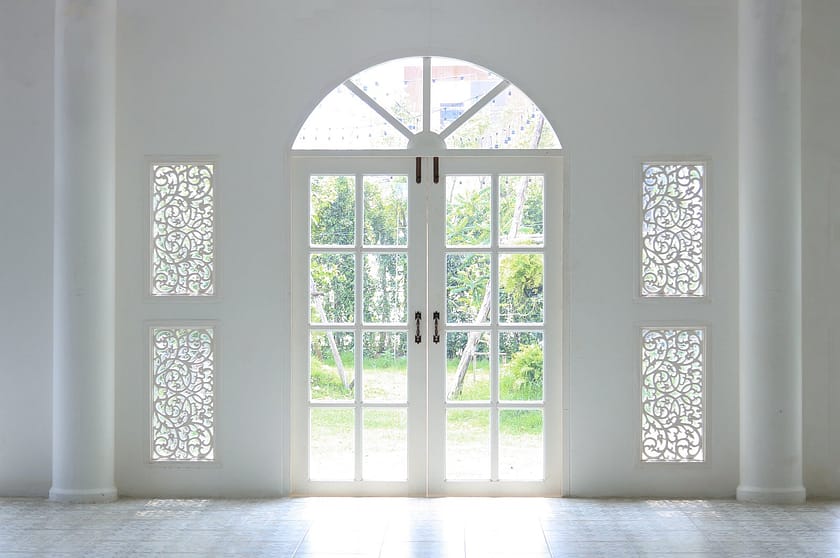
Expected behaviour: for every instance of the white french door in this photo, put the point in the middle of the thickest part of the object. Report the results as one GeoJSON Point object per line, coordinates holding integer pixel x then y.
{"type": "Point", "coordinates": [426, 319]}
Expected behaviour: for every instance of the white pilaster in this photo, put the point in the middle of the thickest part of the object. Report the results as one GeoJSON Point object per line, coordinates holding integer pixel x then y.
{"type": "Point", "coordinates": [770, 240]}
{"type": "Point", "coordinates": [83, 258]}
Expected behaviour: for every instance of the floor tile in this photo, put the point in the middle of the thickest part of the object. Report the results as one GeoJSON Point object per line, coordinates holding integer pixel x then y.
{"type": "Point", "coordinates": [417, 527]}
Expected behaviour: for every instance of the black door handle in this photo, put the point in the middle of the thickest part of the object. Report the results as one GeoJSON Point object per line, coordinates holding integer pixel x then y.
{"type": "Point", "coordinates": [417, 337]}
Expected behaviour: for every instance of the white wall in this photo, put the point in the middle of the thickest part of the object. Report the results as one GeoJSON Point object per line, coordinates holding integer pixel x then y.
{"type": "Point", "coordinates": [821, 245]}
{"type": "Point", "coordinates": [26, 214]}
{"type": "Point", "coordinates": [619, 81]}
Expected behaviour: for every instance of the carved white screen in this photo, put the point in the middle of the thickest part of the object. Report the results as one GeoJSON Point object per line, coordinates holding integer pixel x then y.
{"type": "Point", "coordinates": [183, 243]}
{"type": "Point", "coordinates": [673, 220]}
{"type": "Point", "coordinates": [673, 394]}
{"type": "Point", "coordinates": [183, 394]}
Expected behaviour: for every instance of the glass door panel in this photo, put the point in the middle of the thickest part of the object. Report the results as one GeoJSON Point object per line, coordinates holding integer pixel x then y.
{"type": "Point", "coordinates": [463, 400]}
{"type": "Point", "coordinates": [494, 397]}
{"type": "Point", "coordinates": [365, 398]}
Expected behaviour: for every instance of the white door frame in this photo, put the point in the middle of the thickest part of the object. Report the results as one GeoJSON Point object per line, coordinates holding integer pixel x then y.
{"type": "Point", "coordinates": [426, 423]}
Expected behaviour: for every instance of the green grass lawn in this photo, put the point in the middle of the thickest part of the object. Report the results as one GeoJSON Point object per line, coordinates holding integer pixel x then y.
{"type": "Point", "coordinates": [387, 381]}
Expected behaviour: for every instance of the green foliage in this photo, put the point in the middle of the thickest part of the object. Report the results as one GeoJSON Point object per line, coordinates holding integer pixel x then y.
{"type": "Point", "coordinates": [325, 383]}
{"type": "Point", "coordinates": [514, 389]}
{"type": "Point", "coordinates": [477, 381]}
{"type": "Point", "coordinates": [527, 365]}
{"type": "Point", "coordinates": [333, 275]}
{"type": "Point", "coordinates": [520, 421]}
{"type": "Point", "coordinates": [385, 210]}
{"type": "Point", "coordinates": [468, 418]}
{"type": "Point", "coordinates": [384, 419]}
{"type": "Point", "coordinates": [521, 286]}
{"type": "Point", "coordinates": [332, 200]}
{"type": "Point", "coordinates": [333, 218]}
{"type": "Point", "coordinates": [386, 362]}
{"type": "Point", "coordinates": [521, 275]}
{"type": "Point", "coordinates": [532, 215]}
{"type": "Point", "coordinates": [511, 421]}
{"type": "Point", "coordinates": [466, 278]}
{"type": "Point", "coordinates": [468, 216]}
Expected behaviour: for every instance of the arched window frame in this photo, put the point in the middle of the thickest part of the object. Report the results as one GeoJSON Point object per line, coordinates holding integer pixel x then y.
{"type": "Point", "coordinates": [426, 142]}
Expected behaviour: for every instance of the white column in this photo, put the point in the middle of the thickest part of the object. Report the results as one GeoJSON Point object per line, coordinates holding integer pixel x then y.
{"type": "Point", "coordinates": [83, 257]}
{"type": "Point", "coordinates": [770, 241]}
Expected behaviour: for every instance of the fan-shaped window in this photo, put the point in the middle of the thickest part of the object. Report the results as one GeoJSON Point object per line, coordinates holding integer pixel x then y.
{"type": "Point", "coordinates": [426, 101]}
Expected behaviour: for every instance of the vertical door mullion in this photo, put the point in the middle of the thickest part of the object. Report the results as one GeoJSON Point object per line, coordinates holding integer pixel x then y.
{"type": "Point", "coordinates": [418, 430]}
{"type": "Point", "coordinates": [436, 277]}
{"type": "Point", "coordinates": [359, 343]}
{"type": "Point", "coordinates": [494, 327]}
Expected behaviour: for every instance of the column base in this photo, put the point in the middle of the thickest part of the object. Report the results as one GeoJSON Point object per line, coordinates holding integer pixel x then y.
{"type": "Point", "coordinates": [87, 496]}
{"type": "Point", "coordinates": [760, 495]}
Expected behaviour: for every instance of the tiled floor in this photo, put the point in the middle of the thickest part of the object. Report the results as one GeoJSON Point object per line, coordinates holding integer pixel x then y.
{"type": "Point", "coordinates": [399, 527]}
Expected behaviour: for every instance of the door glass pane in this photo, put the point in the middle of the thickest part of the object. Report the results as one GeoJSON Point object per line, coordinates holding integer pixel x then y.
{"type": "Point", "coordinates": [467, 288]}
{"type": "Point", "coordinates": [467, 444]}
{"type": "Point", "coordinates": [456, 86]}
{"type": "Point", "coordinates": [343, 121]}
{"type": "Point", "coordinates": [510, 121]}
{"type": "Point", "coordinates": [385, 288]}
{"type": "Point", "coordinates": [521, 366]}
{"type": "Point", "coordinates": [331, 365]}
{"type": "Point", "coordinates": [385, 445]}
{"type": "Point", "coordinates": [468, 366]}
{"type": "Point", "coordinates": [386, 206]}
{"type": "Point", "coordinates": [385, 366]}
{"type": "Point", "coordinates": [397, 86]}
{"type": "Point", "coordinates": [468, 210]}
{"type": "Point", "coordinates": [331, 288]}
{"type": "Point", "coordinates": [331, 444]}
{"type": "Point", "coordinates": [521, 444]}
{"type": "Point", "coordinates": [521, 288]}
{"type": "Point", "coordinates": [520, 210]}
{"type": "Point", "coordinates": [332, 210]}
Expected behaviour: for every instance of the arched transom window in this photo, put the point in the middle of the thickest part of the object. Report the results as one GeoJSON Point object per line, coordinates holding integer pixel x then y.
{"type": "Point", "coordinates": [426, 102]}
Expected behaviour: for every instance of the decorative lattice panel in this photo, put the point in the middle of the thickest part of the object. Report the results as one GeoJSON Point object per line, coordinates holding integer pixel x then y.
{"type": "Point", "coordinates": [672, 230]}
{"type": "Point", "coordinates": [183, 245]}
{"type": "Point", "coordinates": [183, 394]}
{"type": "Point", "coordinates": [673, 363]}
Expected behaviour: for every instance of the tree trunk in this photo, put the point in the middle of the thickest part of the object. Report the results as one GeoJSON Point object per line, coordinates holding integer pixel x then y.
{"type": "Point", "coordinates": [484, 310]}
{"type": "Point", "coordinates": [318, 298]}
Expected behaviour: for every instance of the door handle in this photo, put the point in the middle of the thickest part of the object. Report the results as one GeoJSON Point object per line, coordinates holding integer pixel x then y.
{"type": "Point", "coordinates": [436, 336]}
{"type": "Point", "coordinates": [417, 336]}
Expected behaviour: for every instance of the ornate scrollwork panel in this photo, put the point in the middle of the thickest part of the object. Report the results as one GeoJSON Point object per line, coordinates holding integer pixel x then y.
{"type": "Point", "coordinates": [672, 230]}
{"type": "Point", "coordinates": [673, 395]}
{"type": "Point", "coordinates": [183, 394]}
{"type": "Point", "coordinates": [183, 243]}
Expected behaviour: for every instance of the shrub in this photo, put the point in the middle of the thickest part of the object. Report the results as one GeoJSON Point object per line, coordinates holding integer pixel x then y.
{"type": "Point", "coordinates": [527, 365]}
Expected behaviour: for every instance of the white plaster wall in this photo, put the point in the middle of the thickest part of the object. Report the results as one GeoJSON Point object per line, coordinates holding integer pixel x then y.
{"type": "Point", "coordinates": [620, 81]}
{"type": "Point", "coordinates": [821, 246]}
{"type": "Point", "coordinates": [582, 64]}
{"type": "Point", "coordinates": [26, 214]}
